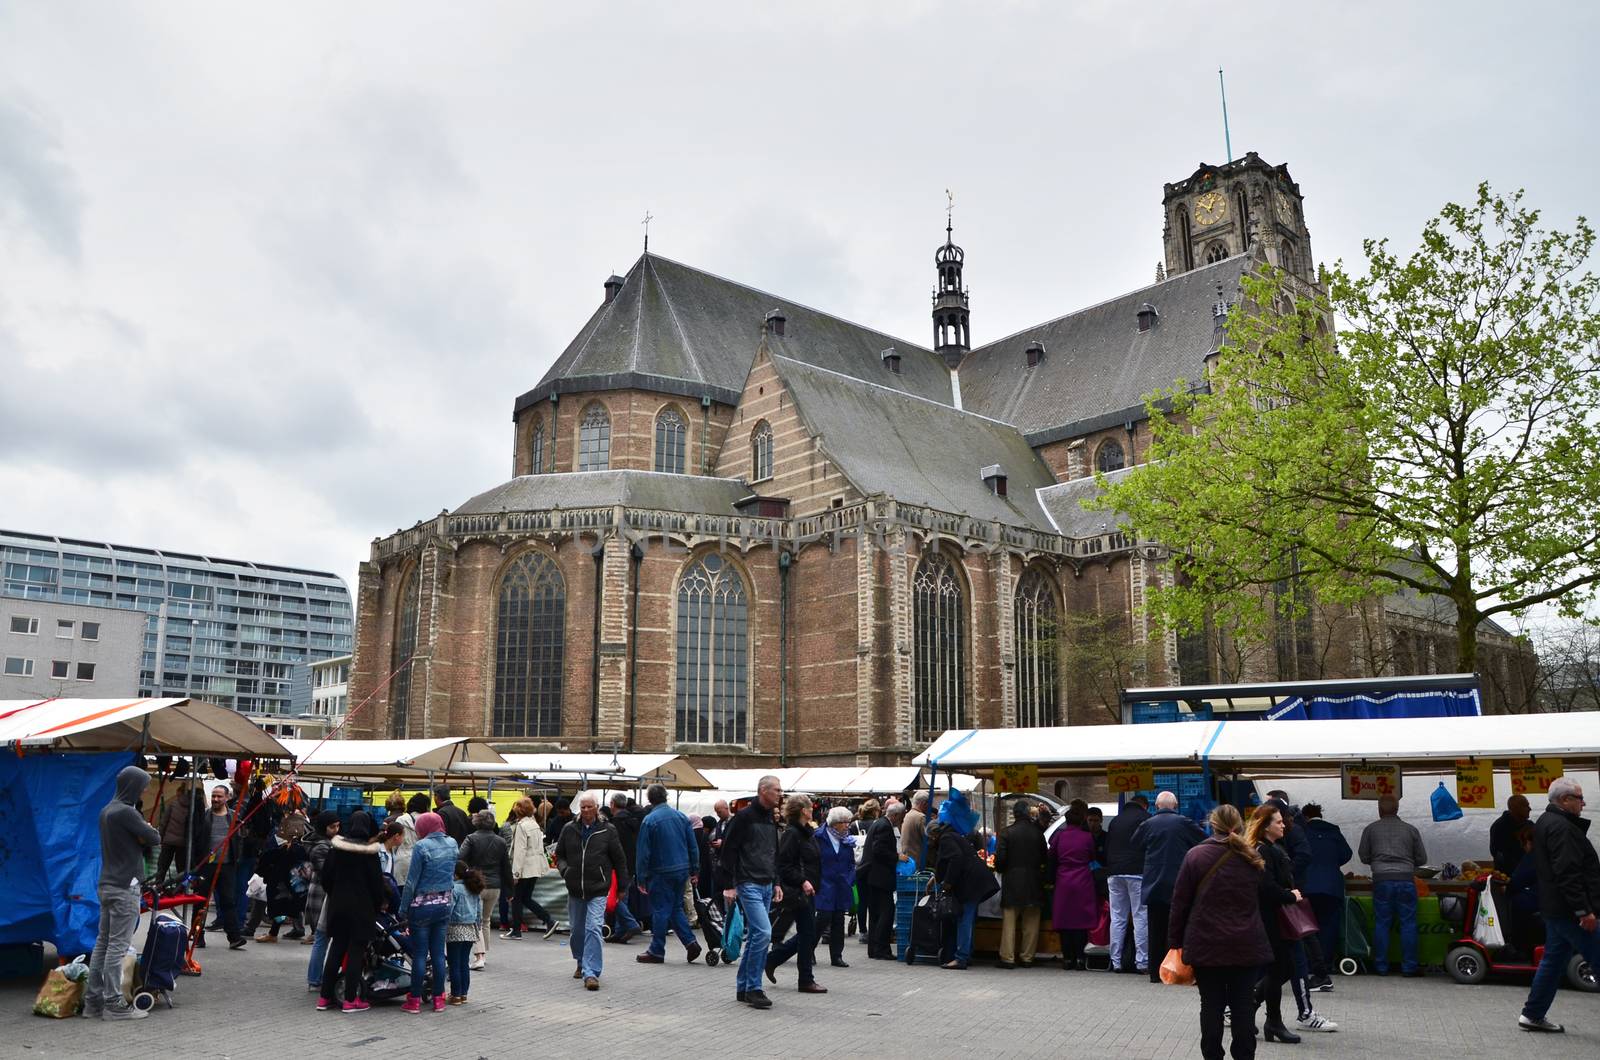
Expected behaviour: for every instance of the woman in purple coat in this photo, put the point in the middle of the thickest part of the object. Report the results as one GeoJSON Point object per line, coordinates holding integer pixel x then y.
{"type": "Point", "coordinates": [1074, 911]}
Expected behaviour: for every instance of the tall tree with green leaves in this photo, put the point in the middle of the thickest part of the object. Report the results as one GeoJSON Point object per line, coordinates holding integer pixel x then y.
{"type": "Point", "coordinates": [1446, 440]}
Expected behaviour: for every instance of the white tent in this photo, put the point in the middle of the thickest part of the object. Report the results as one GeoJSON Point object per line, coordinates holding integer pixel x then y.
{"type": "Point", "coordinates": [394, 759]}
{"type": "Point", "coordinates": [151, 726]}
{"type": "Point", "coordinates": [675, 771]}
{"type": "Point", "coordinates": [834, 780]}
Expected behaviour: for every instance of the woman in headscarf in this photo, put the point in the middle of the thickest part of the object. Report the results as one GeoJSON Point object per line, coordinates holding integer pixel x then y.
{"type": "Point", "coordinates": [355, 893]}
{"type": "Point", "coordinates": [324, 826]}
{"type": "Point", "coordinates": [425, 904]}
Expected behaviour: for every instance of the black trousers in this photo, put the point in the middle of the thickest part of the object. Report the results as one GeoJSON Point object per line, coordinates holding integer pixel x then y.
{"type": "Point", "coordinates": [1073, 941]}
{"type": "Point", "coordinates": [880, 938]}
{"type": "Point", "coordinates": [1157, 915]}
{"type": "Point", "coordinates": [835, 922]}
{"type": "Point", "coordinates": [523, 899]}
{"type": "Point", "coordinates": [1232, 989]}
{"type": "Point", "coordinates": [223, 896]}
{"type": "Point", "coordinates": [802, 945]}
{"type": "Point", "coordinates": [341, 944]}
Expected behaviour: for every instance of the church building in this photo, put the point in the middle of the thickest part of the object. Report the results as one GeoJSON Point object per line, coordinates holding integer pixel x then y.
{"type": "Point", "coordinates": [745, 529]}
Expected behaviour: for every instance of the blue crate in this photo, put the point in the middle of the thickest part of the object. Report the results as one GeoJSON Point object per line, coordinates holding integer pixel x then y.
{"type": "Point", "coordinates": [1147, 713]}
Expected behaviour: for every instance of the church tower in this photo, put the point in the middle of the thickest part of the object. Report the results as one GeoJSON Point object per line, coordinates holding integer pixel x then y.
{"type": "Point", "coordinates": [1220, 211]}
{"type": "Point", "coordinates": [952, 337]}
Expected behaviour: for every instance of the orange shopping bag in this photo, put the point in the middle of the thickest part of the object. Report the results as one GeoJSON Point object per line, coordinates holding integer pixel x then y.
{"type": "Point", "coordinates": [1174, 972]}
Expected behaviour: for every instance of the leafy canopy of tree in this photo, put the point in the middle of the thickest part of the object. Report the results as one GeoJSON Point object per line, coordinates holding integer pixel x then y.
{"type": "Point", "coordinates": [1446, 441]}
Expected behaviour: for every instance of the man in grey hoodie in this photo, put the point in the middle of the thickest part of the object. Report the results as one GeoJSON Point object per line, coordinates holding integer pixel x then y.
{"type": "Point", "coordinates": [124, 834]}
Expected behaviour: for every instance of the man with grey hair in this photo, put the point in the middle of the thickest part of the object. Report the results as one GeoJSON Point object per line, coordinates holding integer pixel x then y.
{"type": "Point", "coordinates": [750, 860]}
{"type": "Point", "coordinates": [664, 863]}
{"type": "Point", "coordinates": [1393, 850]}
{"type": "Point", "coordinates": [588, 854]}
{"type": "Point", "coordinates": [1569, 898]}
{"type": "Point", "coordinates": [1163, 839]}
{"type": "Point", "coordinates": [880, 858]}
{"type": "Point", "coordinates": [914, 827]}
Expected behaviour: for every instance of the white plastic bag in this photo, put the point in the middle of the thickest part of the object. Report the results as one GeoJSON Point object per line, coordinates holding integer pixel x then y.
{"type": "Point", "coordinates": [1486, 928]}
{"type": "Point", "coordinates": [256, 889]}
{"type": "Point", "coordinates": [78, 970]}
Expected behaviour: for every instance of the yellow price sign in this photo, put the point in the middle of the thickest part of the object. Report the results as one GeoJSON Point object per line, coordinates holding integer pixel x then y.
{"type": "Point", "coordinates": [1533, 776]}
{"type": "Point", "coordinates": [1475, 784]}
{"type": "Point", "coordinates": [1016, 780]}
{"type": "Point", "coordinates": [1371, 782]}
{"type": "Point", "coordinates": [1125, 778]}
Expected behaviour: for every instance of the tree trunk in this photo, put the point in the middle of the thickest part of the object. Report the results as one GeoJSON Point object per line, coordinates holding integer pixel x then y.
{"type": "Point", "coordinates": [1466, 639]}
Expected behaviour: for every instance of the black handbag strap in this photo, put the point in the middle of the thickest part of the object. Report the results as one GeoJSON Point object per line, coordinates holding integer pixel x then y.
{"type": "Point", "coordinates": [1212, 871]}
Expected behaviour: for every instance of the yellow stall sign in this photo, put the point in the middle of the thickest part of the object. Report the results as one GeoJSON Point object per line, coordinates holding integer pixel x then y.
{"type": "Point", "coordinates": [1533, 776]}
{"type": "Point", "coordinates": [1016, 780]}
{"type": "Point", "coordinates": [1475, 784]}
{"type": "Point", "coordinates": [1125, 778]}
{"type": "Point", "coordinates": [1371, 782]}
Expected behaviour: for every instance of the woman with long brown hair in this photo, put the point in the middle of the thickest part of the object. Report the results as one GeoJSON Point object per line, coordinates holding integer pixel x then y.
{"type": "Point", "coordinates": [1268, 824]}
{"type": "Point", "coordinates": [1216, 924]}
{"type": "Point", "coordinates": [528, 862]}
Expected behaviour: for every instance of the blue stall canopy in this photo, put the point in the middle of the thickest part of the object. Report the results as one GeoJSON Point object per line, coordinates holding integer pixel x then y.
{"type": "Point", "coordinates": [1419, 696]}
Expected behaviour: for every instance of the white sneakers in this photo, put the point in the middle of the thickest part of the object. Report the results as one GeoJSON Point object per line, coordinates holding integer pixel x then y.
{"type": "Point", "coordinates": [1315, 1022]}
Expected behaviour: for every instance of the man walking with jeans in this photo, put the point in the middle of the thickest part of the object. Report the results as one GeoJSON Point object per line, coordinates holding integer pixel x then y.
{"type": "Point", "coordinates": [123, 838]}
{"type": "Point", "coordinates": [1569, 898]}
{"type": "Point", "coordinates": [664, 863]}
{"type": "Point", "coordinates": [750, 859]}
{"type": "Point", "coordinates": [1393, 849]}
{"type": "Point", "coordinates": [588, 853]}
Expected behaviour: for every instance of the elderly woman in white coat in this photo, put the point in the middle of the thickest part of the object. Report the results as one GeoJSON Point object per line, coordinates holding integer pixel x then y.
{"type": "Point", "coordinates": [528, 863]}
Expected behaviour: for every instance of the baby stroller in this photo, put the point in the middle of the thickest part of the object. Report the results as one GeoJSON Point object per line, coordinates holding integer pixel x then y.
{"type": "Point", "coordinates": [386, 962]}
{"type": "Point", "coordinates": [711, 926]}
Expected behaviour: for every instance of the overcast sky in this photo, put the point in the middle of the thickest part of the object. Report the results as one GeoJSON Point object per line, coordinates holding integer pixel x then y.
{"type": "Point", "coordinates": [272, 275]}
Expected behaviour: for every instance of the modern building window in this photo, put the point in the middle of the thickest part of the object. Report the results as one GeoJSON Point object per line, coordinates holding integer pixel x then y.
{"type": "Point", "coordinates": [64, 628]}
{"type": "Point", "coordinates": [86, 671]}
{"type": "Point", "coordinates": [18, 667]}
{"type": "Point", "coordinates": [761, 452]}
{"type": "Point", "coordinates": [400, 661]}
{"type": "Point", "coordinates": [28, 627]}
{"type": "Point", "coordinates": [89, 631]}
{"type": "Point", "coordinates": [1037, 630]}
{"type": "Point", "coordinates": [1109, 457]}
{"type": "Point", "coordinates": [529, 638]}
{"type": "Point", "coordinates": [713, 678]}
{"type": "Point", "coordinates": [671, 436]}
{"type": "Point", "coordinates": [939, 608]}
{"type": "Point", "coordinates": [594, 439]}
{"type": "Point", "coordinates": [58, 669]}
{"type": "Point", "coordinates": [536, 447]}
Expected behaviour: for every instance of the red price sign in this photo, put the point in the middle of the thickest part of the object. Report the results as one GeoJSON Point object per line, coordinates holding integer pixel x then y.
{"type": "Point", "coordinates": [1371, 782]}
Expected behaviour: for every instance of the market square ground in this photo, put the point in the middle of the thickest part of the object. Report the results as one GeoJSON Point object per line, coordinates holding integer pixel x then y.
{"type": "Point", "coordinates": [254, 1004]}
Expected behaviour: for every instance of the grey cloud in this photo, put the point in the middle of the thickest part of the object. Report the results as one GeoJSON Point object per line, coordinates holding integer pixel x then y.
{"type": "Point", "coordinates": [39, 192]}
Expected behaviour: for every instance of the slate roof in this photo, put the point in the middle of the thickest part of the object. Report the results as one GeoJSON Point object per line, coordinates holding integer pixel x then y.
{"type": "Point", "coordinates": [679, 330]}
{"type": "Point", "coordinates": [588, 489]}
{"type": "Point", "coordinates": [916, 450]}
{"type": "Point", "coordinates": [1064, 502]}
{"type": "Point", "coordinates": [1097, 364]}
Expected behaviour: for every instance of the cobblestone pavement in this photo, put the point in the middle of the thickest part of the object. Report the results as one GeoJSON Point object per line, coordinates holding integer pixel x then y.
{"type": "Point", "coordinates": [254, 1004]}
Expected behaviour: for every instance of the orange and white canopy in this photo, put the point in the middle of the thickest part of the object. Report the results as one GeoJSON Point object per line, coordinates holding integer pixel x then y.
{"type": "Point", "coordinates": [151, 726]}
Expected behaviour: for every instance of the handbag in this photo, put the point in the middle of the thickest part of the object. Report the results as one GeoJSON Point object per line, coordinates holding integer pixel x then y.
{"type": "Point", "coordinates": [1174, 972]}
{"type": "Point", "coordinates": [941, 905]}
{"type": "Point", "coordinates": [1297, 921]}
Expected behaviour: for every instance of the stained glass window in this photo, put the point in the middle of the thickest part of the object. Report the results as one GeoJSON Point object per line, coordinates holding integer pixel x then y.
{"type": "Point", "coordinates": [671, 436]}
{"type": "Point", "coordinates": [713, 678]}
{"type": "Point", "coordinates": [529, 639]}
{"type": "Point", "coordinates": [1035, 614]}
{"type": "Point", "coordinates": [940, 652]}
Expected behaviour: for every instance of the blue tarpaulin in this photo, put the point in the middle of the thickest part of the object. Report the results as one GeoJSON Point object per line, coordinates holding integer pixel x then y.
{"type": "Point", "coordinates": [50, 845]}
{"type": "Point", "coordinates": [1434, 703]}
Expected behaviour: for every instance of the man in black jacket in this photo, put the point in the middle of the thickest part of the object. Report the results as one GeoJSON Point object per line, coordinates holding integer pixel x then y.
{"type": "Point", "coordinates": [1503, 842]}
{"type": "Point", "coordinates": [880, 859]}
{"type": "Point", "coordinates": [1569, 898]}
{"type": "Point", "coordinates": [588, 853]}
{"type": "Point", "coordinates": [750, 860]}
{"type": "Point", "coordinates": [626, 818]}
{"type": "Point", "coordinates": [456, 824]}
{"type": "Point", "coordinates": [1020, 857]}
{"type": "Point", "coordinates": [1125, 878]}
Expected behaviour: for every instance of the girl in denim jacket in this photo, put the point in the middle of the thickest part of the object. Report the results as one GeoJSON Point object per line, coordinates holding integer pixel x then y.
{"type": "Point", "coordinates": [466, 908]}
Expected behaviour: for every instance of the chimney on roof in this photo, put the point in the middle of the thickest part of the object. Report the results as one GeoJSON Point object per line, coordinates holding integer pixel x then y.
{"type": "Point", "coordinates": [775, 322]}
{"type": "Point", "coordinates": [1034, 352]}
{"type": "Point", "coordinates": [994, 477]}
{"type": "Point", "coordinates": [613, 288]}
{"type": "Point", "coordinates": [891, 360]}
{"type": "Point", "coordinates": [1147, 317]}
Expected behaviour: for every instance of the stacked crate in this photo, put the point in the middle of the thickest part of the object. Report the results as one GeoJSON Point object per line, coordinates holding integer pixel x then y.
{"type": "Point", "coordinates": [907, 890]}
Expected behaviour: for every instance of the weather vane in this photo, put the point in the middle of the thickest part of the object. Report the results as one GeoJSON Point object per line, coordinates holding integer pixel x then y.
{"type": "Point", "coordinates": [949, 209]}
{"type": "Point", "coordinates": [646, 222]}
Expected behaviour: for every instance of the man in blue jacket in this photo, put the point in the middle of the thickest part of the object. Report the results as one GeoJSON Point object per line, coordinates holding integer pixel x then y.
{"type": "Point", "coordinates": [664, 864]}
{"type": "Point", "coordinates": [1324, 885]}
{"type": "Point", "coordinates": [1165, 838]}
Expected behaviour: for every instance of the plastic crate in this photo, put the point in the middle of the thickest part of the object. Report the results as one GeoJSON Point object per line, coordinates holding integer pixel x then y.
{"type": "Point", "coordinates": [1148, 713]}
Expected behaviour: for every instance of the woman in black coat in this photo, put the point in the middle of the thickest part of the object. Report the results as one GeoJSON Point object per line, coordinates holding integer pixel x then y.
{"type": "Point", "coordinates": [355, 894]}
{"type": "Point", "coordinates": [1267, 826]}
{"type": "Point", "coordinates": [800, 875]}
{"type": "Point", "coordinates": [959, 872]}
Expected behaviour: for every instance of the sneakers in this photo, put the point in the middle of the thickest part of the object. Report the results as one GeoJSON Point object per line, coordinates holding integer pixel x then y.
{"type": "Point", "coordinates": [1316, 1022]}
{"type": "Point", "coordinates": [412, 1005]}
{"type": "Point", "coordinates": [1322, 984]}
{"type": "Point", "coordinates": [323, 1004]}
{"type": "Point", "coordinates": [549, 929]}
{"type": "Point", "coordinates": [1525, 1022]}
{"type": "Point", "coordinates": [122, 1012]}
{"type": "Point", "coordinates": [511, 936]}
{"type": "Point", "coordinates": [355, 1006]}
{"type": "Point", "coordinates": [439, 1001]}
{"type": "Point", "coordinates": [92, 1012]}
{"type": "Point", "coordinates": [238, 943]}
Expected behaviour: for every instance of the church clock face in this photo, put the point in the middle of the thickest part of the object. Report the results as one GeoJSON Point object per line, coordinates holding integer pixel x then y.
{"type": "Point", "coordinates": [1286, 207]}
{"type": "Point", "coordinates": [1210, 208]}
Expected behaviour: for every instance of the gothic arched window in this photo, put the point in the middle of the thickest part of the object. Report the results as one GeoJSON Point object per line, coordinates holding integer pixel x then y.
{"type": "Point", "coordinates": [1185, 239]}
{"type": "Point", "coordinates": [713, 678]}
{"type": "Point", "coordinates": [594, 439]}
{"type": "Point", "coordinates": [1216, 252]}
{"type": "Point", "coordinates": [536, 447]}
{"type": "Point", "coordinates": [939, 658]}
{"type": "Point", "coordinates": [1109, 457]}
{"type": "Point", "coordinates": [1241, 203]}
{"type": "Point", "coordinates": [761, 452]}
{"type": "Point", "coordinates": [530, 634]}
{"type": "Point", "coordinates": [671, 437]}
{"type": "Point", "coordinates": [1037, 629]}
{"type": "Point", "coordinates": [405, 644]}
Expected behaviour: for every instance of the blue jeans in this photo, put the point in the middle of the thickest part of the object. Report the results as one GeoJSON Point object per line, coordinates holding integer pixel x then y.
{"type": "Point", "coordinates": [1391, 897]}
{"type": "Point", "coordinates": [666, 911]}
{"type": "Point", "coordinates": [964, 925]}
{"type": "Point", "coordinates": [1562, 938]}
{"type": "Point", "coordinates": [754, 900]}
{"type": "Point", "coordinates": [585, 918]}
{"type": "Point", "coordinates": [458, 955]}
{"type": "Point", "coordinates": [427, 924]}
{"type": "Point", "coordinates": [319, 957]}
{"type": "Point", "coordinates": [626, 921]}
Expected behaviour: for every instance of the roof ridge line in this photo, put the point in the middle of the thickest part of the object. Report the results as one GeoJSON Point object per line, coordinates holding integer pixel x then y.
{"type": "Point", "coordinates": [683, 335]}
{"type": "Point", "coordinates": [638, 316]}
{"type": "Point", "coordinates": [1108, 301]}
{"type": "Point", "coordinates": [901, 393]}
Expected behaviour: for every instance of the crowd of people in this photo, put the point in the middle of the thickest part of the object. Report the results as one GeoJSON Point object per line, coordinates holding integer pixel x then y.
{"type": "Point", "coordinates": [1251, 907]}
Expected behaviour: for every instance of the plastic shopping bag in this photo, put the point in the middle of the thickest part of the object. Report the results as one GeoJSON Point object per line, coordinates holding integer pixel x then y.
{"type": "Point", "coordinates": [1486, 928]}
{"type": "Point", "coordinates": [1445, 807]}
{"type": "Point", "coordinates": [1174, 972]}
{"type": "Point", "coordinates": [733, 934]}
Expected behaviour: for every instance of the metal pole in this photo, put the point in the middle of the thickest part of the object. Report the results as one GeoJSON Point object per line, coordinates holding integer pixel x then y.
{"type": "Point", "coordinates": [1227, 138]}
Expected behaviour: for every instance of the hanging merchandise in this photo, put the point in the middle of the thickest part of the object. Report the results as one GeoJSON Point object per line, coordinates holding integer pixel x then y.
{"type": "Point", "coordinates": [1445, 807]}
{"type": "Point", "coordinates": [1486, 928]}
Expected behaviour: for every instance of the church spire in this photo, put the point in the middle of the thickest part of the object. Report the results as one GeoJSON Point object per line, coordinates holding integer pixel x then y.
{"type": "Point", "coordinates": [952, 337]}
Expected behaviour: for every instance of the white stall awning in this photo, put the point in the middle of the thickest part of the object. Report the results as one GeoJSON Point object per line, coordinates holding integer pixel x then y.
{"type": "Point", "coordinates": [393, 759]}
{"type": "Point", "coordinates": [675, 771]}
{"type": "Point", "coordinates": [154, 726]}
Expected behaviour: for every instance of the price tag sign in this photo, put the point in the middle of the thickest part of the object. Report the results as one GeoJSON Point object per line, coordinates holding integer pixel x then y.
{"type": "Point", "coordinates": [1125, 778]}
{"type": "Point", "coordinates": [1475, 784]}
{"type": "Point", "coordinates": [1016, 780]}
{"type": "Point", "coordinates": [1371, 782]}
{"type": "Point", "coordinates": [1533, 776]}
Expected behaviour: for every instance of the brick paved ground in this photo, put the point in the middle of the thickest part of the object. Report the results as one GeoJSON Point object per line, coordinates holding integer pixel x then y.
{"type": "Point", "coordinates": [254, 1004]}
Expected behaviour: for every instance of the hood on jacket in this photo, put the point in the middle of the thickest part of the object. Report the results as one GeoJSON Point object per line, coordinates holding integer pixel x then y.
{"type": "Point", "coordinates": [358, 827]}
{"type": "Point", "coordinates": [320, 823]}
{"type": "Point", "coordinates": [131, 784]}
{"type": "Point", "coordinates": [350, 846]}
